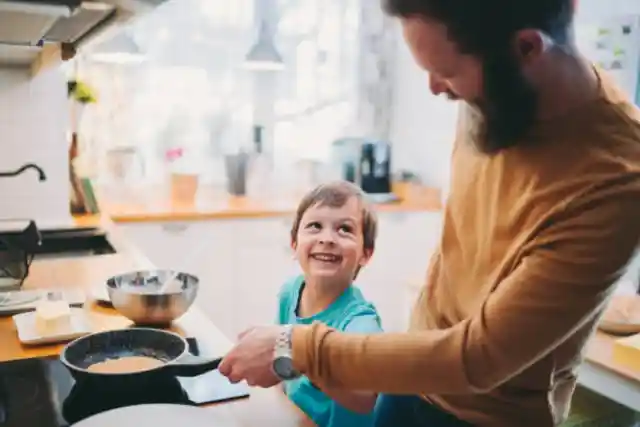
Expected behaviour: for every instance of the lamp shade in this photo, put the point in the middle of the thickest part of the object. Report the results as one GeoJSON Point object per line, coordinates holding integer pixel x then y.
{"type": "Point", "coordinates": [121, 49]}
{"type": "Point", "coordinates": [263, 54]}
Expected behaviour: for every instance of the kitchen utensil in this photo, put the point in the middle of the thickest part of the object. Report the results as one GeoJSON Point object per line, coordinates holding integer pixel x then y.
{"type": "Point", "coordinates": [161, 415]}
{"type": "Point", "coordinates": [165, 346]}
{"type": "Point", "coordinates": [19, 239]}
{"type": "Point", "coordinates": [152, 297]}
{"type": "Point", "coordinates": [28, 333]}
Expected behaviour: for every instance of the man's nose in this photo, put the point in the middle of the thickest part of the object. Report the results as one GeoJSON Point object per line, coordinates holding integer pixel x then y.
{"type": "Point", "coordinates": [437, 86]}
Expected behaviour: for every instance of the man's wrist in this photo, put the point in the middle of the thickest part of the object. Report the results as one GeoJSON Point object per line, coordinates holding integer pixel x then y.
{"type": "Point", "coordinates": [283, 366]}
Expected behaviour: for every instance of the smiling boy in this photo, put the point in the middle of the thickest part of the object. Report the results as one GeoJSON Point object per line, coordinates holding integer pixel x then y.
{"type": "Point", "coordinates": [333, 237]}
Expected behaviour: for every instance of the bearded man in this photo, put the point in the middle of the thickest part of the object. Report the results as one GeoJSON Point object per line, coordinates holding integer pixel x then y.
{"type": "Point", "coordinates": [542, 218]}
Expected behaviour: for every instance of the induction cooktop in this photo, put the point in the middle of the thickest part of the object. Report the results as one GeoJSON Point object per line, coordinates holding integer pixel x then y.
{"type": "Point", "coordinates": [40, 392]}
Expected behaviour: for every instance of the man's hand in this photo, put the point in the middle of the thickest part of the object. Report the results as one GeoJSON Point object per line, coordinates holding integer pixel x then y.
{"type": "Point", "coordinates": [251, 359]}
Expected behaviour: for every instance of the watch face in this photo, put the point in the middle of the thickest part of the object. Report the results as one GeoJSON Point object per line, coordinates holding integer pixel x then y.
{"type": "Point", "coordinates": [283, 368]}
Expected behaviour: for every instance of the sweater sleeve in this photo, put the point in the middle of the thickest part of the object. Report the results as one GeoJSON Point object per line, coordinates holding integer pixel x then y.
{"type": "Point", "coordinates": [563, 280]}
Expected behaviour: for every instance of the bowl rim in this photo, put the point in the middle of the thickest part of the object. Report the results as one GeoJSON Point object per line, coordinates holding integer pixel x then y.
{"type": "Point", "coordinates": [112, 282]}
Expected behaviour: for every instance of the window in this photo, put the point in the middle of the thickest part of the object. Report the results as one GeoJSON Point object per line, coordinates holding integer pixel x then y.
{"type": "Point", "coordinates": [193, 93]}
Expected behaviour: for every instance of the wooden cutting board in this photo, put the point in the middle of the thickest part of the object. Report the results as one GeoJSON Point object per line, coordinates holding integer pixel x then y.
{"type": "Point", "coordinates": [159, 415]}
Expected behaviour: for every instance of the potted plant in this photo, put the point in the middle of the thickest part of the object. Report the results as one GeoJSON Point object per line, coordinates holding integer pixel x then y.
{"type": "Point", "coordinates": [80, 92]}
{"type": "Point", "coordinates": [80, 95]}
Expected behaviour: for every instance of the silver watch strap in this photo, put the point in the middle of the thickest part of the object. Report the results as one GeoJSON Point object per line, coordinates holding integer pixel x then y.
{"type": "Point", "coordinates": [283, 342]}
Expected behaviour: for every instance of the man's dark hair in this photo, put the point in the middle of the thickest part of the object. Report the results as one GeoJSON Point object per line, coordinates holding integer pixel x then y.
{"type": "Point", "coordinates": [481, 25]}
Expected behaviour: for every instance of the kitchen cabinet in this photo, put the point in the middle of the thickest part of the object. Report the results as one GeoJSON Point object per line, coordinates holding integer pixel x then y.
{"type": "Point", "coordinates": [242, 263]}
{"type": "Point", "coordinates": [403, 249]}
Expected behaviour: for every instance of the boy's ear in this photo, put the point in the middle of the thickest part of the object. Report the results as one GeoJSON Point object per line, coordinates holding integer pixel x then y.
{"type": "Point", "coordinates": [366, 256]}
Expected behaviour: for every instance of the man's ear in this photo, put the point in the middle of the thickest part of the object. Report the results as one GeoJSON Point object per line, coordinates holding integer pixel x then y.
{"type": "Point", "coordinates": [530, 44]}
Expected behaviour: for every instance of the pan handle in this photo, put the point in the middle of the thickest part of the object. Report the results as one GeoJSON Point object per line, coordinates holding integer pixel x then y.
{"type": "Point", "coordinates": [189, 365]}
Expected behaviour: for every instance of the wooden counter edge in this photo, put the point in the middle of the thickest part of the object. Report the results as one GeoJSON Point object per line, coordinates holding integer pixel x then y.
{"type": "Point", "coordinates": [423, 199]}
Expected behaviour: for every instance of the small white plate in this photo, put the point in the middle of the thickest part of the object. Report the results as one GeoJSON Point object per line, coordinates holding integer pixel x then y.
{"type": "Point", "coordinates": [160, 415]}
{"type": "Point", "coordinates": [28, 334]}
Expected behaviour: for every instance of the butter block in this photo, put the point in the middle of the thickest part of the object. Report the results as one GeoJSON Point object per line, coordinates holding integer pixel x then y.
{"type": "Point", "coordinates": [52, 317]}
{"type": "Point", "coordinates": [626, 352]}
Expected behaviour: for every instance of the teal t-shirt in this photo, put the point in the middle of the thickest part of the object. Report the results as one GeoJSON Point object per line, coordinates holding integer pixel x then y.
{"type": "Point", "coordinates": [349, 313]}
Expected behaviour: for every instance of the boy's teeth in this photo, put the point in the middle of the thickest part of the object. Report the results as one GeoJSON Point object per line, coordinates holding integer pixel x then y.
{"type": "Point", "coordinates": [324, 257]}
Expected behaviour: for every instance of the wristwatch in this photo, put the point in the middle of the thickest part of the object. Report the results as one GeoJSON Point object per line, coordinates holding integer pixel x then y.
{"type": "Point", "coordinates": [282, 356]}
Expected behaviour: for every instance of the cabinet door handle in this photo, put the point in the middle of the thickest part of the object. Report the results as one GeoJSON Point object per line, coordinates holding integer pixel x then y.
{"type": "Point", "coordinates": [175, 227]}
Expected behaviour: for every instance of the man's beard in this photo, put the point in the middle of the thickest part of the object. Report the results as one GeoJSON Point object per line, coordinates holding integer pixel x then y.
{"type": "Point", "coordinates": [508, 106]}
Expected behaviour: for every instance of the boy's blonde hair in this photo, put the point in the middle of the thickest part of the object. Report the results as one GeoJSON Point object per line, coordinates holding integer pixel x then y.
{"type": "Point", "coordinates": [335, 194]}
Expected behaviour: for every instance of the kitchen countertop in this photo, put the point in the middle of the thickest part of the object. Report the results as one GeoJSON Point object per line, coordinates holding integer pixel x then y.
{"type": "Point", "coordinates": [157, 204]}
{"type": "Point", "coordinates": [84, 273]}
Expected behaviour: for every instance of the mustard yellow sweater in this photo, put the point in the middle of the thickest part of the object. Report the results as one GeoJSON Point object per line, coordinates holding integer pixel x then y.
{"type": "Point", "coordinates": [533, 240]}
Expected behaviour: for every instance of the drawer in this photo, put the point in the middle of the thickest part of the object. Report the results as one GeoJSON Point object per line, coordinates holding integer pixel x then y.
{"type": "Point", "coordinates": [274, 231]}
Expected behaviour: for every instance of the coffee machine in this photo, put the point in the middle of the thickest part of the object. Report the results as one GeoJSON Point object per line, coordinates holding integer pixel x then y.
{"type": "Point", "coordinates": [366, 163]}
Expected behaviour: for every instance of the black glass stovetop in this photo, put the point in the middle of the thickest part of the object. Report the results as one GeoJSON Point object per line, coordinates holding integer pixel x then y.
{"type": "Point", "coordinates": [40, 392]}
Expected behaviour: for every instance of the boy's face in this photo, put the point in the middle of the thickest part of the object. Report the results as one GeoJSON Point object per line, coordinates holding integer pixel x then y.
{"type": "Point", "coordinates": [330, 242]}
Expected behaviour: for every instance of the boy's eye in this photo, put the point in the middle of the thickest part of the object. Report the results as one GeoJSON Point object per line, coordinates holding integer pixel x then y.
{"type": "Point", "coordinates": [346, 229]}
{"type": "Point", "coordinates": [314, 225]}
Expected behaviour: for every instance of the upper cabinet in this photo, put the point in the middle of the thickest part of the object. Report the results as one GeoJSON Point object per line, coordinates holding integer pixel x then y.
{"type": "Point", "coordinates": [35, 35]}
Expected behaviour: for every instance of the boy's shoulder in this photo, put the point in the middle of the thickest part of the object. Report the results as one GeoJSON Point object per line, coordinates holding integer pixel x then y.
{"type": "Point", "coordinates": [291, 287]}
{"type": "Point", "coordinates": [359, 314]}
{"type": "Point", "coordinates": [288, 295]}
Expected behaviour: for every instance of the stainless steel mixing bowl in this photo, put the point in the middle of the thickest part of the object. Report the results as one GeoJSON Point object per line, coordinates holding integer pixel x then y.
{"type": "Point", "coordinates": [140, 296]}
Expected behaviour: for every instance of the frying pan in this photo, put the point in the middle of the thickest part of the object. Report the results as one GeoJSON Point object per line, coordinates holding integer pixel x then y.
{"type": "Point", "coordinates": [165, 346]}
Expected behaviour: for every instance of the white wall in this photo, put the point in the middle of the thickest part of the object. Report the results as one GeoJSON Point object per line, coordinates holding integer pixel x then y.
{"type": "Point", "coordinates": [423, 125]}
{"type": "Point", "coordinates": [596, 9]}
{"type": "Point", "coordinates": [33, 125]}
